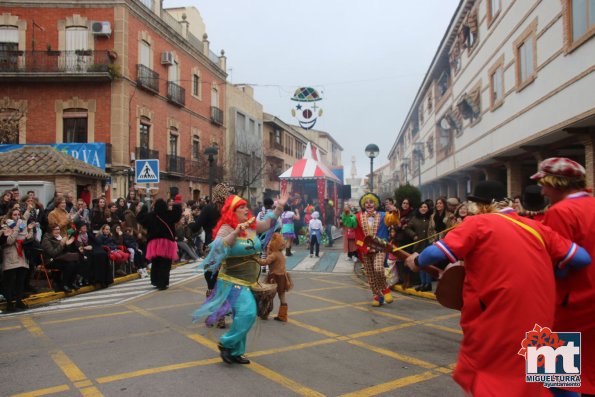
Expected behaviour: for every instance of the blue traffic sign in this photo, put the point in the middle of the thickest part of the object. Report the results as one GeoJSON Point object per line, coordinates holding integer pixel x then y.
{"type": "Point", "coordinates": [146, 171]}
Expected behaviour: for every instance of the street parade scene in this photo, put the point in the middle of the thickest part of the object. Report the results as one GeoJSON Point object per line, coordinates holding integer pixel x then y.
{"type": "Point", "coordinates": [266, 198]}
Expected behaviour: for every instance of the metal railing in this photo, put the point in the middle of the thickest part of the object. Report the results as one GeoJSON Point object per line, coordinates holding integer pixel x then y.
{"type": "Point", "coordinates": [195, 41]}
{"type": "Point", "coordinates": [147, 78]}
{"type": "Point", "coordinates": [176, 93]}
{"type": "Point", "coordinates": [176, 164]}
{"type": "Point", "coordinates": [143, 153]}
{"type": "Point", "coordinates": [82, 61]}
{"type": "Point", "coordinates": [216, 115]}
{"type": "Point", "coordinates": [213, 57]}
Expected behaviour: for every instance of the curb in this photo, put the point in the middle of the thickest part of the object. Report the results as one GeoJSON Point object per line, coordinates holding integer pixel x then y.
{"type": "Point", "coordinates": [45, 297]}
{"type": "Point", "coordinates": [411, 291]}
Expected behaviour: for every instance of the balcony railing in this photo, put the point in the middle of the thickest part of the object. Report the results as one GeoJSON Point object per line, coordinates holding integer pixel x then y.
{"type": "Point", "coordinates": [143, 153]}
{"type": "Point", "coordinates": [77, 63]}
{"type": "Point", "coordinates": [176, 164]}
{"type": "Point", "coordinates": [176, 94]}
{"type": "Point", "coordinates": [216, 115]}
{"type": "Point", "coordinates": [147, 78]}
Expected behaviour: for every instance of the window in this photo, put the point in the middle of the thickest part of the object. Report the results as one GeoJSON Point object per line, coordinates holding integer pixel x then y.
{"type": "Point", "coordinates": [493, 10]}
{"type": "Point", "coordinates": [9, 125]}
{"type": "Point", "coordinates": [277, 137]}
{"type": "Point", "coordinates": [147, 3]}
{"type": "Point", "coordinates": [579, 20]}
{"type": "Point", "coordinates": [145, 54]}
{"type": "Point", "coordinates": [172, 72]}
{"type": "Point", "coordinates": [77, 38]}
{"type": "Point", "coordinates": [75, 126]}
{"type": "Point", "coordinates": [525, 57]}
{"type": "Point", "coordinates": [173, 142]}
{"type": "Point", "coordinates": [195, 85]}
{"type": "Point", "coordinates": [195, 147]}
{"type": "Point", "coordinates": [496, 74]}
{"type": "Point", "coordinates": [144, 135]}
{"type": "Point", "coordinates": [9, 39]}
{"type": "Point", "coordinates": [215, 97]}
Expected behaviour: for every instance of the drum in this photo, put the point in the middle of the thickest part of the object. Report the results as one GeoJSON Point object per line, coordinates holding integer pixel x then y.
{"type": "Point", "coordinates": [264, 294]}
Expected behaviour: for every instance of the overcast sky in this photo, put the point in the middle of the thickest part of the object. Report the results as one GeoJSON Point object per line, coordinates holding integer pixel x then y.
{"type": "Point", "coordinates": [366, 58]}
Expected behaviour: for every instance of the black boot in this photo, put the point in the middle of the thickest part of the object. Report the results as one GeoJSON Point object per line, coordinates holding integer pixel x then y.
{"type": "Point", "coordinates": [288, 252]}
{"type": "Point", "coordinates": [226, 354]}
{"type": "Point", "coordinates": [241, 359]}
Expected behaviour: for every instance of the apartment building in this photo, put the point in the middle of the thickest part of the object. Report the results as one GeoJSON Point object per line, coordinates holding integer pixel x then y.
{"type": "Point", "coordinates": [245, 167]}
{"type": "Point", "coordinates": [126, 73]}
{"type": "Point", "coordinates": [510, 85]}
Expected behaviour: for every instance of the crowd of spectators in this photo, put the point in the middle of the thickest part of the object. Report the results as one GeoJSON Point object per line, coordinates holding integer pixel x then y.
{"type": "Point", "coordinates": [80, 241]}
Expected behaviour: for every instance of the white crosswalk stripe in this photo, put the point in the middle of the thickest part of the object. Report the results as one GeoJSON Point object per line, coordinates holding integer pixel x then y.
{"type": "Point", "coordinates": [118, 294]}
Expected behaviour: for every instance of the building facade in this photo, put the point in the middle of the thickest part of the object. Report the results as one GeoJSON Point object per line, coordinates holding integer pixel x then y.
{"type": "Point", "coordinates": [245, 167]}
{"type": "Point", "coordinates": [126, 73]}
{"type": "Point", "coordinates": [510, 85]}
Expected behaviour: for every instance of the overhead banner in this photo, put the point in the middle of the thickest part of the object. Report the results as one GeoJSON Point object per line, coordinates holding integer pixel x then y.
{"type": "Point", "coordinates": [90, 153]}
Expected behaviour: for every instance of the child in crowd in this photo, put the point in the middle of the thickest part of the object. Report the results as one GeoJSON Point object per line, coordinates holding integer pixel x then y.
{"type": "Point", "coordinates": [392, 277]}
{"type": "Point", "coordinates": [315, 233]}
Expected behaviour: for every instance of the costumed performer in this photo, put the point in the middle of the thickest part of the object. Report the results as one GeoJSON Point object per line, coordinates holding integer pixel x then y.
{"type": "Point", "coordinates": [509, 287]}
{"type": "Point", "coordinates": [234, 253]}
{"type": "Point", "coordinates": [278, 275]}
{"type": "Point", "coordinates": [371, 222]}
{"type": "Point", "coordinates": [572, 215]}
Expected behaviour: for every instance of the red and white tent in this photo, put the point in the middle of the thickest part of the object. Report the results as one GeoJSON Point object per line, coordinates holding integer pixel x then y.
{"type": "Point", "coordinates": [309, 168]}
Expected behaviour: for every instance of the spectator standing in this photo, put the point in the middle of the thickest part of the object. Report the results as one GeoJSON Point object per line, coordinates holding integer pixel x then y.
{"type": "Point", "coordinates": [86, 195]}
{"type": "Point", "coordinates": [418, 230]}
{"type": "Point", "coordinates": [99, 215]}
{"type": "Point", "coordinates": [162, 249]}
{"type": "Point", "coordinates": [14, 265]}
{"type": "Point", "coordinates": [349, 222]}
{"type": "Point", "coordinates": [329, 220]}
{"type": "Point", "coordinates": [315, 233]}
{"type": "Point", "coordinates": [69, 198]}
{"type": "Point", "coordinates": [5, 202]}
{"type": "Point", "coordinates": [288, 217]}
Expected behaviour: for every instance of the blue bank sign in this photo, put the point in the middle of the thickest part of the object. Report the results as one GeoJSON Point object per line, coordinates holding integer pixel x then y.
{"type": "Point", "coordinates": [90, 153]}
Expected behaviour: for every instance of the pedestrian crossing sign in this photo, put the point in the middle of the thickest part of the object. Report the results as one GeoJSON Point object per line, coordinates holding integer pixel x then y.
{"type": "Point", "coordinates": [146, 171]}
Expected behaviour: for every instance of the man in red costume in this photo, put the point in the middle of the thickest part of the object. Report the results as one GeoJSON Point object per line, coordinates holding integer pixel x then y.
{"type": "Point", "coordinates": [509, 287]}
{"type": "Point", "coordinates": [572, 215]}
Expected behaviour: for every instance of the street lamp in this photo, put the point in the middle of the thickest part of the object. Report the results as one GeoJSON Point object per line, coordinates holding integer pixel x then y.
{"type": "Point", "coordinates": [211, 152]}
{"type": "Point", "coordinates": [372, 151]}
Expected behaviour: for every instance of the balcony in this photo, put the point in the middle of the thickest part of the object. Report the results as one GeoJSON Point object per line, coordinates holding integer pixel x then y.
{"type": "Point", "coordinates": [216, 115]}
{"type": "Point", "coordinates": [147, 78]}
{"type": "Point", "coordinates": [176, 164]}
{"type": "Point", "coordinates": [83, 65]}
{"type": "Point", "coordinates": [143, 153]}
{"type": "Point", "coordinates": [176, 94]}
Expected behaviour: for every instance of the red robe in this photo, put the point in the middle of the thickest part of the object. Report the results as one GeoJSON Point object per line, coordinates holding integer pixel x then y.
{"type": "Point", "coordinates": [574, 218]}
{"type": "Point", "coordinates": [509, 287]}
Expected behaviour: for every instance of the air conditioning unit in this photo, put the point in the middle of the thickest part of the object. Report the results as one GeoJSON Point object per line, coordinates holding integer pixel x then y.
{"type": "Point", "coordinates": [167, 58]}
{"type": "Point", "coordinates": [101, 28]}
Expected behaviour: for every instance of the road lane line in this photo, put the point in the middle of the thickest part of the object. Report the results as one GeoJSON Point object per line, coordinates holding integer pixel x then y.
{"type": "Point", "coordinates": [395, 384]}
{"type": "Point", "coordinates": [43, 392]}
{"type": "Point", "coordinates": [283, 380]}
{"type": "Point", "coordinates": [392, 354]}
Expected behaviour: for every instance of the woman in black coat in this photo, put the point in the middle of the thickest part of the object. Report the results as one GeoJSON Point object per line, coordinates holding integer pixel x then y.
{"type": "Point", "coordinates": [162, 249]}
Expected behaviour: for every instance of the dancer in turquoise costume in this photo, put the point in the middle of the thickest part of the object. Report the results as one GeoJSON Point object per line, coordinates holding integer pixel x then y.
{"type": "Point", "coordinates": [234, 252]}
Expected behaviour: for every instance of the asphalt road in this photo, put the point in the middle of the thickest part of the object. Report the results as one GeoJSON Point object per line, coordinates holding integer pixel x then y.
{"type": "Point", "coordinates": [335, 344]}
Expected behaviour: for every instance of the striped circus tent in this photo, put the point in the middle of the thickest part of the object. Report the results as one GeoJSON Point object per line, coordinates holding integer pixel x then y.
{"type": "Point", "coordinates": [309, 167]}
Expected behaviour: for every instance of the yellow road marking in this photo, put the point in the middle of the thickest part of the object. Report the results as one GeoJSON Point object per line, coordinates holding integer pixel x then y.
{"type": "Point", "coordinates": [32, 327]}
{"type": "Point", "coordinates": [43, 392]}
{"type": "Point", "coordinates": [443, 328]}
{"type": "Point", "coordinates": [314, 329]}
{"type": "Point", "coordinates": [11, 328]}
{"type": "Point", "coordinates": [386, 387]}
{"type": "Point", "coordinates": [378, 331]}
{"type": "Point", "coordinates": [283, 381]}
{"type": "Point", "coordinates": [156, 370]}
{"type": "Point", "coordinates": [84, 383]}
{"type": "Point", "coordinates": [383, 313]}
{"type": "Point", "coordinates": [66, 320]}
{"type": "Point", "coordinates": [72, 372]}
{"type": "Point", "coordinates": [320, 309]}
{"type": "Point", "coordinates": [327, 288]}
{"type": "Point", "coordinates": [292, 347]}
{"type": "Point", "coordinates": [390, 353]}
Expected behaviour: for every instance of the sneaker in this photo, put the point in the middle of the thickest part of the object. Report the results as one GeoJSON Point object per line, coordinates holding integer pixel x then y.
{"type": "Point", "coordinates": [354, 259]}
{"type": "Point", "coordinates": [145, 273]}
